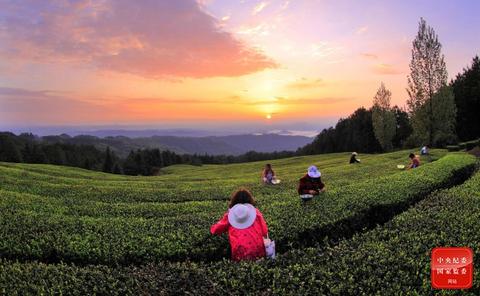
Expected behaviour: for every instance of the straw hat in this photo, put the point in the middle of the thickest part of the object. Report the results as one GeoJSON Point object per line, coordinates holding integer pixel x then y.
{"type": "Point", "coordinates": [242, 216]}
{"type": "Point", "coordinates": [313, 172]}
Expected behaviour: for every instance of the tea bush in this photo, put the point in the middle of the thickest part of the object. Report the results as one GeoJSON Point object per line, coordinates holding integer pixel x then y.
{"type": "Point", "coordinates": [391, 259]}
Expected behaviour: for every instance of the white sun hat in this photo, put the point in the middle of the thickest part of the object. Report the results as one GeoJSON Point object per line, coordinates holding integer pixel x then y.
{"type": "Point", "coordinates": [354, 153]}
{"type": "Point", "coordinates": [242, 216]}
{"type": "Point", "coordinates": [313, 172]}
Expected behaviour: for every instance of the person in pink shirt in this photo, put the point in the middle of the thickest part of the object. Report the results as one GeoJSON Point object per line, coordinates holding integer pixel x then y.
{"type": "Point", "coordinates": [245, 225]}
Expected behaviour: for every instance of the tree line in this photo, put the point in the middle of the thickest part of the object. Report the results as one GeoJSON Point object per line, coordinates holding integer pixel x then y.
{"type": "Point", "coordinates": [27, 148]}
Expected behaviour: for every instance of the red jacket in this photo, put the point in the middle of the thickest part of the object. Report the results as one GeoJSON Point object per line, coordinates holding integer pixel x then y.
{"type": "Point", "coordinates": [246, 244]}
{"type": "Point", "coordinates": [306, 184]}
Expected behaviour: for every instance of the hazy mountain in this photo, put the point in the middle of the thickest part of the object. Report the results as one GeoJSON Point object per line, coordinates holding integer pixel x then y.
{"type": "Point", "coordinates": [144, 133]}
{"type": "Point", "coordinates": [229, 145]}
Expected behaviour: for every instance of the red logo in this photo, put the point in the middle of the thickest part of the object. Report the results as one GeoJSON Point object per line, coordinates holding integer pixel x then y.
{"type": "Point", "coordinates": [452, 268]}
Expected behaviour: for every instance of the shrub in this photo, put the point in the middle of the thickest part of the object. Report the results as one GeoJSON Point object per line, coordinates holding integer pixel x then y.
{"type": "Point", "coordinates": [471, 144]}
{"type": "Point", "coordinates": [452, 148]}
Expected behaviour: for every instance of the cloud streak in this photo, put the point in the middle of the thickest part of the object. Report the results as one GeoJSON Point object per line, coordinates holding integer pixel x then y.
{"type": "Point", "coordinates": [305, 83]}
{"type": "Point", "coordinates": [369, 55]}
{"type": "Point", "coordinates": [361, 30]}
{"type": "Point", "coordinates": [152, 39]}
{"type": "Point", "coordinates": [259, 7]}
{"type": "Point", "coordinates": [28, 106]}
{"type": "Point", "coordinates": [385, 69]}
{"type": "Point", "coordinates": [304, 101]}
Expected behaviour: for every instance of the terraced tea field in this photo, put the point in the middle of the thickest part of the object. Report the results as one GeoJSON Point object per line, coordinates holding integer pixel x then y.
{"type": "Point", "coordinates": [71, 231]}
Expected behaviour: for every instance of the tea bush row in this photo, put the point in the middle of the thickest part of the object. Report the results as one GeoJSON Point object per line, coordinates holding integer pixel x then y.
{"type": "Point", "coordinates": [391, 259]}
{"type": "Point", "coordinates": [35, 228]}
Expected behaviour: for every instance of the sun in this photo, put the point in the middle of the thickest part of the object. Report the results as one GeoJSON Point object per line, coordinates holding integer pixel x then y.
{"type": "Point", "coordinates": [268, 116]}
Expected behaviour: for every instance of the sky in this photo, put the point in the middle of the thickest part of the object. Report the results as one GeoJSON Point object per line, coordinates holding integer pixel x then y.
{"type": "Point", "coordinates": [214, 62]}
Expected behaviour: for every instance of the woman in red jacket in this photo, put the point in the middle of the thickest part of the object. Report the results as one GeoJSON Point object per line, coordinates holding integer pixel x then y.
{"type": "Point", "coordinates": [245, 225]}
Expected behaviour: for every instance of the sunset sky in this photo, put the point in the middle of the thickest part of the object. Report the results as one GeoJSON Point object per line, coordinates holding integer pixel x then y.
{"type": "Point", "coordinates": [195, 63]}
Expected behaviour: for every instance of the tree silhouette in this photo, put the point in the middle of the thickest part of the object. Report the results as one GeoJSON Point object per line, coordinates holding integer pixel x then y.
{"type": "Point", "coordinates": [108, 163]}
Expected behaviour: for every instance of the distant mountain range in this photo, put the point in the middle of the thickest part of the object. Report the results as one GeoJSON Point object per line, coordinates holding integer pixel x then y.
{"type": "Point", "coordinates": [213, 145]}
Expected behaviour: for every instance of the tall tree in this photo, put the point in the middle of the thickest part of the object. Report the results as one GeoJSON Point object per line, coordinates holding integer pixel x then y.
{"type": "Point", "coordinates": [466, 88]}
{"type": "Point", "coordinates": [428, 74]}
{"type": "Point", "coordinates": [444, 112]}
{"type": "Point", "coordinates": [383, 118]}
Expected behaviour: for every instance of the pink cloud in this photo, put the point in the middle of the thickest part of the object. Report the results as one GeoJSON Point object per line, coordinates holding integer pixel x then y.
{"type": "Point", "coordinates": [30, 106]}
{"type": "Point", "coordinates": [369, 55]}
{"type": "Point", "coordinates": [385, 69]}
{"type": "Point", "coordinates": [259, 7]}
{"type": "Point", "coordinates": [152, 39]}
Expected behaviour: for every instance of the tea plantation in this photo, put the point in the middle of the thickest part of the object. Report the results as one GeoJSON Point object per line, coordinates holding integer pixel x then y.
{"type": "Point", "coordinates": [72, 231]}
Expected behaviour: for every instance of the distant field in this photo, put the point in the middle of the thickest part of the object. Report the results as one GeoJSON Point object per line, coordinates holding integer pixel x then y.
{"type": "Point", "coordinates": [73, 223]}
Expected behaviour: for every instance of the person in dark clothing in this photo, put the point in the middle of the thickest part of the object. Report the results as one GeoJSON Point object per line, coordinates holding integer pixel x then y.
{"type": "Point", "coordinates": [311, 183]}
{"type": "Point", "coordinates": [353, 158]}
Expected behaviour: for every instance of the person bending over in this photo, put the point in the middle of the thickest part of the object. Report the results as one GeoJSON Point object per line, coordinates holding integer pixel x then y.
{"type": "Point", "coordinates": [414, 161]}
{"type": "Point", "coordinates": [311, 183]}
{"type": "Point", "coordinates": [353, 158]}
{"type": "Point", "coordinates": [245, 226]}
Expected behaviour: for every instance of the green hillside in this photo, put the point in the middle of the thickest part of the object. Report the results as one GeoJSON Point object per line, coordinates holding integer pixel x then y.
{"type": "Point", "coordinates": [70, 229]}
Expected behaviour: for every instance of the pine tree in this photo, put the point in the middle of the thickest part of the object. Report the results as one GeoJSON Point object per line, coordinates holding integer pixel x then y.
{"type": "Point", "coordinates": [108, 163]}
{"type": "Point", "coordinates": [9, 150]}
{"type": "Point", "coordinates": [403, 127]}
{"type": "Point", "coordinates": [130, 166]}
{"type": "Point", "coordinates": [116, 169]}
{"type": "Point", "coordinates": [383, 118]}
{"type": "Point", "coordinates": [428, 74]}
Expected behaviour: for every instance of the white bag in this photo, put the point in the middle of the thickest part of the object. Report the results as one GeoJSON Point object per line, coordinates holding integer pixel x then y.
{"type": "Point", "coordinates": [269, 248]}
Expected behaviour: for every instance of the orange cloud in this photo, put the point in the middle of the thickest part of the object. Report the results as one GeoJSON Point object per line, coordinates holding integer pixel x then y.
{"type": "Point", "coordinates": [158, 39]}
{"type": "Point", "coordinates": [304, 101]}
{"type": "Point", "coordinates": [305, 83]}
